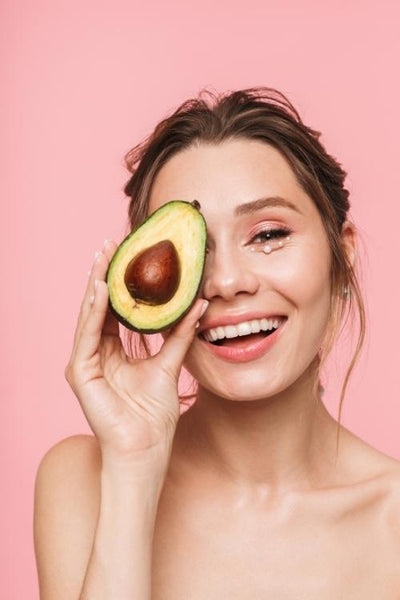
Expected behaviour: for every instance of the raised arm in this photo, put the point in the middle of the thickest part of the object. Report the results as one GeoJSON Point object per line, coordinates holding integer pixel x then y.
{"type": "Point", "coordinates": [96, 498]}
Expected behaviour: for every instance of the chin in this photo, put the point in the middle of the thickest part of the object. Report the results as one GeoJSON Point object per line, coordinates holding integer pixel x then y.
{"type": "Point", "coordinates": [253, 383]}
{"type": "Point", "coordinates": [242, 388]}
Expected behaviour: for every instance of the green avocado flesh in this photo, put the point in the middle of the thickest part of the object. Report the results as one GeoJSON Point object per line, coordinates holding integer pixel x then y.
{"type": "Point", "coordinates": [155, 274]}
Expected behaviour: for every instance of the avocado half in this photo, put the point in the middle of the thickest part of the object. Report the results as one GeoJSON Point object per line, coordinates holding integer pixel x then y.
{"type": "Point", "coordinates": [171, 243]}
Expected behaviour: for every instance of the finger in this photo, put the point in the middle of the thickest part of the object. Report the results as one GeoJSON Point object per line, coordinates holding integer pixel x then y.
{"type": "Point", "coordinates": [109, 248]}
{"type": "Point", "coordinates": [95, 273]}
{"type": "Point", "coordinates": [88, 341]}
{"type": "Point", "coordinates": [98, 271]}
{"type": "Point", "coordinates": [176, 345]}
{"type": "Point", "coordinates": [110, 326]}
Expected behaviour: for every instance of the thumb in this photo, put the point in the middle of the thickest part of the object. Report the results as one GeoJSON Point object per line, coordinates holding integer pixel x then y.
{"type": "Point", "coordinates": [176, 345]}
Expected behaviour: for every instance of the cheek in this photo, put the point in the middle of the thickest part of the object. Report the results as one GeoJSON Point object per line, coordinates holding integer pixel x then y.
{"type": "Point", "coordinates": [302, 278]}
{"type": "Point", "coordinates": [302, 274]}
{"type": "Point", "coordinates": [305, 281]}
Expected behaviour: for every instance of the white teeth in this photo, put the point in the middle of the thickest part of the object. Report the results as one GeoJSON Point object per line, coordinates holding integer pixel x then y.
{"type": "Point", "coordinates": [244, 328]}
{"type": "Point", "coordinates": [255, 326]}
{"type": "Point", "coordinates": [230, 331]}
{"type": "Point", "coordinates": [213, 335]}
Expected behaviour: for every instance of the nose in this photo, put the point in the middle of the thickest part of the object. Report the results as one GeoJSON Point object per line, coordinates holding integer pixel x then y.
{"type": "Point", "coordinates": [227, 274]}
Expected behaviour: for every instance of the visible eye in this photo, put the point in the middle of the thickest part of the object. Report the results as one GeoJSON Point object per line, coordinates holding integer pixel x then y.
{"type": "Point", "coordinates": [271, 234]}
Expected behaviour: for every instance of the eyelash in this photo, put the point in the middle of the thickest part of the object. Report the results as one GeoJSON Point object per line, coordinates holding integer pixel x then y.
{"type": "Point", "coordinates": [268, 234]}
{"type": "Point", "coordinates": [271, 234]}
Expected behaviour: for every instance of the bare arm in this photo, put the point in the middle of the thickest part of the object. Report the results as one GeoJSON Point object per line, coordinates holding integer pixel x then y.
{"type": "Point", "coordinates": [67, 501]}
{"type": "Point", "coordinates": [96, 498]}
{"type": "Point", "coordinates": [120, 562]}
{"type": "Point", "coordinates": [94, 524]}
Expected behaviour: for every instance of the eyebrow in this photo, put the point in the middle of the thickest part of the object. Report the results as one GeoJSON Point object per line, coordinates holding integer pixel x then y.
{"type": "Point", "coordinates": [271, 201]}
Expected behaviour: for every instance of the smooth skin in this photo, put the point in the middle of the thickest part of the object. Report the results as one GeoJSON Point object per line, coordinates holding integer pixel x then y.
{"type": "Point", "coordinates": [243, 496]}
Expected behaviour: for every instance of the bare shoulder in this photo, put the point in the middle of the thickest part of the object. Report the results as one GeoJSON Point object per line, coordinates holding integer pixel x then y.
{"type": "Point", "coordinates": [375, 472]}
{"type": "Point", "coordinates": [79, 451]}
{"type": "Point", "coordinates": [69, 471]}
{"type": "Point", "coordinates": [67, 499]}
{"type": "Point", "coordinates": [364, 462]}
{"type": "Point", "coordinates": [388, 482]}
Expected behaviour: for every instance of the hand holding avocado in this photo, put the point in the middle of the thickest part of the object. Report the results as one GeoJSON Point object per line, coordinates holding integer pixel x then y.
{"type": "Point", "coordinates": [132, 405]}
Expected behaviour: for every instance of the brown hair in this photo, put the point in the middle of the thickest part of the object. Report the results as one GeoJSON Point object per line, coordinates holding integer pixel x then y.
{"type": "Point", "coordinates": [264, 114]}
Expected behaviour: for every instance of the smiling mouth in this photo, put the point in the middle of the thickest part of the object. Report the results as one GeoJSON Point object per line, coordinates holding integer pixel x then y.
{"type": "Point", "coordinates": [240, 340]}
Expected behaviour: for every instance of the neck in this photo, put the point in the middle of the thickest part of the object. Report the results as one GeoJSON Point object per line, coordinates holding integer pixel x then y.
{"type": "Point", "coordinates": [284, 442]}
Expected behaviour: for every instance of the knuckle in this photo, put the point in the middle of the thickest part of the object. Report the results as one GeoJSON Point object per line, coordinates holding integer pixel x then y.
{"type": "Point", "coordinates": [69, 372]}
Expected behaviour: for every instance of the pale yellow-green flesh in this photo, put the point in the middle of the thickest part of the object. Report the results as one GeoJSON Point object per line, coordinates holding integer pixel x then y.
{"type": "Point", "coordinates": [183, 226]}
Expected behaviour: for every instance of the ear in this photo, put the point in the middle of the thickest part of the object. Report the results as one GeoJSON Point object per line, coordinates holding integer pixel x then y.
{"type": "Point", "coordinates": [349, 241]}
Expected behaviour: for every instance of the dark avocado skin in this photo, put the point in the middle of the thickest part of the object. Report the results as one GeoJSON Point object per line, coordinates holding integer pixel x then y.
{"type": "Point", "coordinates": [128, 325]}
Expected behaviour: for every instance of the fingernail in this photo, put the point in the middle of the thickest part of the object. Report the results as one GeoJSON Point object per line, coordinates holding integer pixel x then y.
{"type": "Point", "coordinates": [91, 299]}
{"type": "Point", "coordinates": [204, 307]}
{"type": "Point", "coordinates": [96, 255]}
{"type": "Point", "coordinates": [106, 242]}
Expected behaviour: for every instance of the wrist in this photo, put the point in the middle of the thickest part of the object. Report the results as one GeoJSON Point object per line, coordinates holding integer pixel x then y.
{"type": "Point", "coordinates": [149, 464]}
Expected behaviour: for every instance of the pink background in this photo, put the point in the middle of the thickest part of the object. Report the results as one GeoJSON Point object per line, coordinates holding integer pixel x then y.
{"type": "Point", "coordinates": [85, 81]}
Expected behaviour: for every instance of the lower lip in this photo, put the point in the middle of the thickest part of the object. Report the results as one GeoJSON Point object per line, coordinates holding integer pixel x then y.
{"type": "Point", "coordinates": [252, 350]}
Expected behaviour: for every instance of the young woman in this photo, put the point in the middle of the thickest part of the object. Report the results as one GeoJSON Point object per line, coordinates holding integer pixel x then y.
{"type": "Point", "coordinates": [250, 493]}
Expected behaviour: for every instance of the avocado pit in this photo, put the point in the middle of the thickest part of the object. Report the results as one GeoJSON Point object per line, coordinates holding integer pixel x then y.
{"type": "Point", "coordinates": [153, 275]}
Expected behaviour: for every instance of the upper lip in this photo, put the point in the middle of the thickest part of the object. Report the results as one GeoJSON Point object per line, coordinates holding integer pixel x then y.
{"type": "Point", "coordinates": [223, 320]}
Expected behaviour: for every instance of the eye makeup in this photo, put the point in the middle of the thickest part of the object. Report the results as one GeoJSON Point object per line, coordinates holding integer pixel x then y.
{"type": "Point", "coordinates": [267, 240]}
{"type": "Point", "coordinates": [270, 239]}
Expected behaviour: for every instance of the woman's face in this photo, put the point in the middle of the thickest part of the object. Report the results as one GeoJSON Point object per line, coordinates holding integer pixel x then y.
{"type": "Point", "coordinates": [241, 281]}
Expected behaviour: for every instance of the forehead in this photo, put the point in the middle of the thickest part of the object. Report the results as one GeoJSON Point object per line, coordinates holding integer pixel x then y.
{"type": "Point", "coordinates": [222, 176]}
